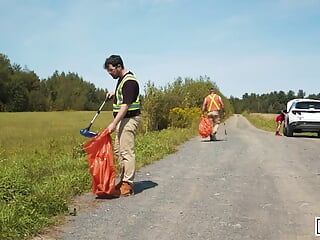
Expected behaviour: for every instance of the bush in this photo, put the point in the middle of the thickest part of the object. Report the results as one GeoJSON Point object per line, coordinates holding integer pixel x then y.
{"type": "Point", "coordinates": [183, 117]}
{"type": "Point", "coordinates": [187, 94]}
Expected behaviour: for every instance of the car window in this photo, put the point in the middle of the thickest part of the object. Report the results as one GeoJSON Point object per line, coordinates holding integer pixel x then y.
{"type": "Point", "coordinates": [307, 105]}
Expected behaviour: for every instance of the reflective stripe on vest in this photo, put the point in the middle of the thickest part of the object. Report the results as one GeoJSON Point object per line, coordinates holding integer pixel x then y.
{"type": "Point", "coordinates": [119, 96]}
{"type": "Point", "coordinates": [213, 101]}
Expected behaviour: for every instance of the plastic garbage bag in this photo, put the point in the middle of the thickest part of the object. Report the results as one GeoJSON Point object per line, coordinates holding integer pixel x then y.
{"type": "Point", "coordinates": [205, 127]}
{"type": "Point", "coordinates": [101, 164]}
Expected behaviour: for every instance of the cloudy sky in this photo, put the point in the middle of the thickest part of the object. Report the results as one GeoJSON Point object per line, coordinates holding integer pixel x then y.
{"type": "Point", "coordinates": [244, 46]}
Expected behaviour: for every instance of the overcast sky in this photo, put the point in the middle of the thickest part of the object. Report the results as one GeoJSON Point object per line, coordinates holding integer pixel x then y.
{"type": "Point", "coordinates": [243, 46]}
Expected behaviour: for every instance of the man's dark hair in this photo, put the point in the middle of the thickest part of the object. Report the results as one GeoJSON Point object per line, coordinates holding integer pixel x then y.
{"type": "Point", "coordinates": [114, 60]}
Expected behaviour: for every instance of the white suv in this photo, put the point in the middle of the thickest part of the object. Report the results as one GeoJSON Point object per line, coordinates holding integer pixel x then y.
{"type": "Point", "coordinates": [302, 115]}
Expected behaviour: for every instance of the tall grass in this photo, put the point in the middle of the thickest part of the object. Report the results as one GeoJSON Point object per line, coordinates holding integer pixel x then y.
{"type": "Point", "coordinates": [43, 165]}
{"type": "Point", "coordinates": [262, 121]}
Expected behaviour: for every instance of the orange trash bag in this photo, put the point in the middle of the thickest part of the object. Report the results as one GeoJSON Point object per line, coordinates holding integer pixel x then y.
{"type": "Point", "coordinates": [205, 127]}
{"type": "Point", "coordinates": [101, 165]}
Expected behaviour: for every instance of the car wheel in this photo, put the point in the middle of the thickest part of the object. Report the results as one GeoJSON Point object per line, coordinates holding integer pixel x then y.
{"type": "Point", "coordinates": [319, 134]}
{"type": "Point", "coordinates": [289, 132]}
{"type": "Point", "coordinates": [284, 131]}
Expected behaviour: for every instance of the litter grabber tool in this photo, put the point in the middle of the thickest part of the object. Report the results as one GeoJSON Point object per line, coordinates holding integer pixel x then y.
{"type": "Point", "coordinates": [86, 131]}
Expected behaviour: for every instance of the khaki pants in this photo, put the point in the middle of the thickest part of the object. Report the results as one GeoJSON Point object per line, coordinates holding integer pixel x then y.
{"type": "Point", "coordinates": [214, 115]}
{"type": "Point", "coordinates": [124, 147]}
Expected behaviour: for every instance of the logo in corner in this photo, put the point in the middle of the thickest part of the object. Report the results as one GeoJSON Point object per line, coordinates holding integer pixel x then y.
{"type": "Point", "coordinates": [317, 226]}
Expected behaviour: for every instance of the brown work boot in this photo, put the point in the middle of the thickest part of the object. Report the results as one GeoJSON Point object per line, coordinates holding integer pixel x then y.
{"type": "Point", "coordinates": [126, 189]}
{"type": "Point", "coordinates": [118, 185]}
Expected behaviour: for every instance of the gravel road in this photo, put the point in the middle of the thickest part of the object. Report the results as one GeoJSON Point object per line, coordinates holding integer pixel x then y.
{"type": "Point", "coordinates": [249, 185]}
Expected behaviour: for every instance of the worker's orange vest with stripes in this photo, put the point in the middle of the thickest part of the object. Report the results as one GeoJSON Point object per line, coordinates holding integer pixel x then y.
{"type": "Point", "coordinates": [213, 103]}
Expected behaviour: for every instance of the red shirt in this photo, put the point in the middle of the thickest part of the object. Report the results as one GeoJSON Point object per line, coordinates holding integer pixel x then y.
{"type": "Point", "coordinates": [280, 118]}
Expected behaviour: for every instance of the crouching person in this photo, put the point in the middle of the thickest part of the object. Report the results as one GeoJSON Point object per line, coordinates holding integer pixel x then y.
{"type": "Point", "coordinates": [279, 120]}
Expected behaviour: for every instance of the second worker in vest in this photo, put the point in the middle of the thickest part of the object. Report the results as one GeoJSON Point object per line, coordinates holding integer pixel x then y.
{"type": "Point", "coordinates": [126, 112]}
{"type": "Point", "coordinates": [213, 104]}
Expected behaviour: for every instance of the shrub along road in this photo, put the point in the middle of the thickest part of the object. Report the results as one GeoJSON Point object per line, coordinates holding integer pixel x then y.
{"type": "Point", "coordinates": [251, 185]}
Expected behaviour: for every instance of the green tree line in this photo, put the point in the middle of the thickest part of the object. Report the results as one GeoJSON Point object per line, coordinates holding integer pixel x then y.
{"type": "Point", "coordinates": [22, 90]}
{"type": "Point", "coordinates": [272, 102]}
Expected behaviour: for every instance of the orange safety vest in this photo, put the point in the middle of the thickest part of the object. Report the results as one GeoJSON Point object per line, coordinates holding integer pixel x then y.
{"type": "Point", "coordinates": [214, 103]}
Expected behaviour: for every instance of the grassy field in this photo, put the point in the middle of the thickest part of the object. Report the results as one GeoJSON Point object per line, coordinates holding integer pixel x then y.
{"type": "Point", "coordinates": [43, 165]}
